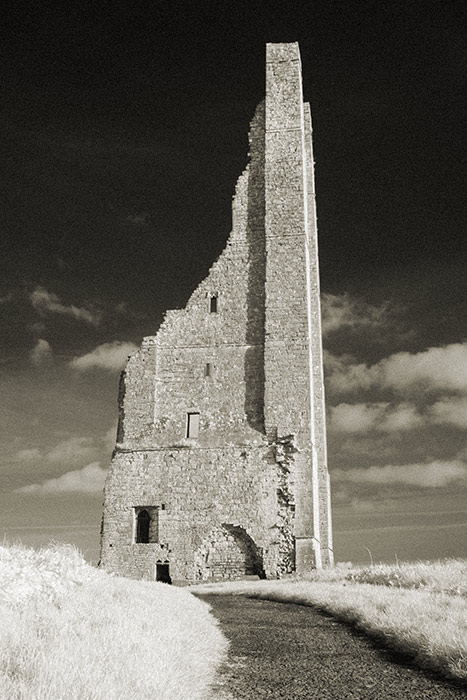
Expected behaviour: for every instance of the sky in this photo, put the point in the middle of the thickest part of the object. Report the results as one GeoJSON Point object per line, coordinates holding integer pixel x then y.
{"type": "Point", "coordinates": [124, 129]}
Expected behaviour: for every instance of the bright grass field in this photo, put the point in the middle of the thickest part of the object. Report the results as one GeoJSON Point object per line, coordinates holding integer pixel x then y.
{"type": "Point", "coordinates": [69, 631]}
{"type": "Point", "coordinates": [418, 609]}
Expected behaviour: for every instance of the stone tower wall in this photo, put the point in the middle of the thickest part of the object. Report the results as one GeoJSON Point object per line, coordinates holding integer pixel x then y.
{"type": "Point", "coordinates": [294, 393]}
{"type": "Point", "coordinates": [323, 522]}
{"type": "Point", "coordinates": [244, 494]}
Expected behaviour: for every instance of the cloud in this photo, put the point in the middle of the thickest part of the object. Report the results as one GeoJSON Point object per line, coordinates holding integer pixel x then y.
{"type": "Point", "coordinates": [89, 479]}
{"type": "Point", "coordinates": [344, 376]}
{"type": "Point", "coordinates": [28, 455]}
{"type": "Point", "coordinates": [439, 368]}
{"type": "Point", "coordinates": [432, 475]}
{"type": "Point", "coordinates": [356, 418]}
{"type": "Point", "coordinates": [67, 451]}
{"type": "Point", "coordinates": [109, 356]}
{"type": "Point", "coordinates": [364, 417]}
{"type": "Point", "coordinates": [401, 417]}
{"type": "Point", "coordinates": [343, 311]}
{"type": "Point", "coordinates": [71, 450]}
{"type": "Point", "coordinates": [450, 411]}
{"type": "Point", "coordinates": [41, 353]}
{"type": "Point", "coordinates": [48, 302]}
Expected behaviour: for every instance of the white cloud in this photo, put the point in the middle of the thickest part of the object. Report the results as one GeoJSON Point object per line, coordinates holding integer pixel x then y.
{"type": "Point", "coordinates": [48, 302]}
{"type": "Point", "coordinates": [442, 368]}
{"type": "Point", "coordinates": [343, 311]}
{"type": "Point", "coordinates": [71, 450]}
{"type": "Point", "coordinates": [344, 376]}
{"type": "Point", "coordinates": [401, 417]}
{"type": "Point", "coordinates": [450, 410]}
{"type": "Point", "coordinates": [356, 418]}
{"type": "Point", "coordinates": [109, 356]}
{"type": "Point", "coordinates": [432, 475]}
{"type": "Point", "coordinates": [89, 479]}
{"type": "Point", "coordinates": [41, 353]}
{"type": "Point", "coordinates": [68, 451]}
{"type": "Point", "coordinates": [364, 417]}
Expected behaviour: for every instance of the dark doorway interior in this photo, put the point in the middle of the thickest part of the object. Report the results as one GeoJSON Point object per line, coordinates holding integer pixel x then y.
{"type": "Point", "coordinates": [162, 573]}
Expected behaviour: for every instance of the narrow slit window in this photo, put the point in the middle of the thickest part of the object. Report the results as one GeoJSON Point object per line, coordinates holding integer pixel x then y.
{"type": "Point", "coordinates": [213, 304]}
{"type": "Point", "coordinates": [192, 426]}
{"type": "Point", "coordinates": [207, 369]}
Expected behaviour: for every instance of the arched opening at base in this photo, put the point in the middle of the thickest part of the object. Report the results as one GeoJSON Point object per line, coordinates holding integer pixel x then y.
{"type": "Point", "coordinates": [228, 552]}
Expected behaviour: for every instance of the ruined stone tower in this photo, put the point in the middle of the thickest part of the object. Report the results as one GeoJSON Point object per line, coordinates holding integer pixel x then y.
{"type": "Point", "coordinates": [220, 465]}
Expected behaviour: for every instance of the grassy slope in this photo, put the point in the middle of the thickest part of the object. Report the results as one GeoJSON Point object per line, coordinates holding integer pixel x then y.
{"type": "Point", "coordinates": [419, 609]}
{"type": "Point", "coordinates": [70, 631]}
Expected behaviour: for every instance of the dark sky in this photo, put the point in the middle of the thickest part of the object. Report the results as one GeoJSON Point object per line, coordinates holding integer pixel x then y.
{"type": "Point", "coordinates": [124, 128]}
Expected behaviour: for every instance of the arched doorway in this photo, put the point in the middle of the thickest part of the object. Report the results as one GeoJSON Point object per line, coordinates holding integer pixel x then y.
{"type": "Point", "coordinates": [228, 552]}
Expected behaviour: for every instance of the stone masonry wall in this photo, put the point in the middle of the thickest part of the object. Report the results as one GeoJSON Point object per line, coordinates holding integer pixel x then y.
{"type": "Point", "coordinates": [200, 491]}
{"type": "Point", "coordinates": [293, 327]}
{"type": "Point", "coordinates": [243, 496]}
{"type": "Point", "coordinates": [318, 412]}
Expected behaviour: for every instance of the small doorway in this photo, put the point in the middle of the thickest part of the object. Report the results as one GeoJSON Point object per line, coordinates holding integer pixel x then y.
{"type": "Point", "coordinates": [162, 573]}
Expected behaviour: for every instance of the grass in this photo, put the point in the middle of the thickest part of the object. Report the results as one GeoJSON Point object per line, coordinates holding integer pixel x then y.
{"type": "Point", "coordinates": [71, 631]}
{"type": "Point", "coordinates": [417, 609]}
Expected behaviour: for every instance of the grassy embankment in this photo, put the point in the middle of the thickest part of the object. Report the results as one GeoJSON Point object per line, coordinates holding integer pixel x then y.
{"type": "Point", "coordinates": [417, 609]}
{"type": "Point", "coordinates": [69, 631]}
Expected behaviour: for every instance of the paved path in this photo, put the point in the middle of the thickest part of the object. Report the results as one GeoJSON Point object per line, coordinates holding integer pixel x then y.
{"type": "Point", "coordinates": [281, 650]}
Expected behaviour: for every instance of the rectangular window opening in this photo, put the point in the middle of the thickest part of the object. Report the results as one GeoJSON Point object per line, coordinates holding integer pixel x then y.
{"type": "Point", "coordinates": [192, 426]}
{"type": "Point", "coordinates": [213, 304]}
{"type": "Point", "coordinates": [207, 369]}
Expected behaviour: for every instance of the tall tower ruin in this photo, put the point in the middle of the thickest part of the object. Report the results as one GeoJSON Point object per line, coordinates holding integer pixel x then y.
{"type": "Point", "coordinates": [220, 465]}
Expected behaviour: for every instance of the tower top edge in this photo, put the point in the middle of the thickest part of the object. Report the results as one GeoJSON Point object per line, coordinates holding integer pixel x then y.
{"type": "Point", "coordinates": [282, 52]}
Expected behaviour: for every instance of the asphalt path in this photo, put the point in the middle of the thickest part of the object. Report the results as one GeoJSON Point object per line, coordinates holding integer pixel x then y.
{"type": "Point", "coordinates": [282, 650]}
